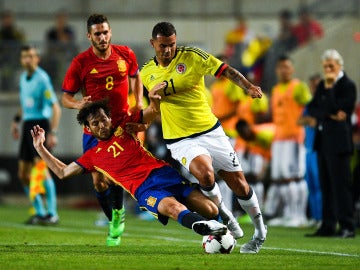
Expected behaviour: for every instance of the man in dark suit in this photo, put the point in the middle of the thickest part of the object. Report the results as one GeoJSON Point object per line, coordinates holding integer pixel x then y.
{"type": "Point", "coordinates": [332, 107]}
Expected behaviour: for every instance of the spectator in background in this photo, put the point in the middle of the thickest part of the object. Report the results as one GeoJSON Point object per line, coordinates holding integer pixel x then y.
{"type": "Point", "coordinates": [288, 98]}
{"type": "Point", "coordinates": [11, 40]}
{"type": "Point", "coordinates": [312, 171]}
{"type": "Point", "coordinates": [307, 29]}
{"type": "Point", "coordinates": [60, 47]}
{"type": "Point", "coordinates": [284, 43]}
{"type": "Point", "coordinates": [236, 41]}
{"type": "Point", "coordinates": [333, 106]}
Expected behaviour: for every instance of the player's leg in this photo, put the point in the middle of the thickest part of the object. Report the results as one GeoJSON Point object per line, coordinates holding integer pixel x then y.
{"type": "Point", "coordinates": [52, 217]}
{"type": "Point", "coordinates": [110, 198]}
{"type": "Point", "coordinates": [198, 202]}
{"type": "Point", "coordinates": [26, 163]}
{"type": "Point", "coordinates": [170, 207]}
{"type": "Point", "coordinates": [24, 169]}
{"type": "Point", "coordinates": [199, 162]}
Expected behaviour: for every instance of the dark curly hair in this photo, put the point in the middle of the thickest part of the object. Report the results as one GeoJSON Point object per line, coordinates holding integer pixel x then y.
{"type": "Point", "coordinates": [91, 109]}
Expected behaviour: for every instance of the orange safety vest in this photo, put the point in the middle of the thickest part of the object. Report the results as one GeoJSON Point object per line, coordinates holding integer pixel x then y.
{"type": "Point", "coordinates": [285, 113]}
{"type": "Point", "coordinates": [222, 105]}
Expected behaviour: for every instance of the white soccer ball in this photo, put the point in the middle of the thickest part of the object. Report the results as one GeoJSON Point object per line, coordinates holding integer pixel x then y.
{"type": "Point", "coordinates": [219, 244]}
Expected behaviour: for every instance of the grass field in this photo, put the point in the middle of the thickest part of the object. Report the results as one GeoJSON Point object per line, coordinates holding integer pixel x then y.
{"type": "Point", "coordinates": [76, 243]}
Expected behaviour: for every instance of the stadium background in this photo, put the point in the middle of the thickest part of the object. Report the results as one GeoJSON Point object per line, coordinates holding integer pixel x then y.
{"type": "Point", "coordinates": [203, 23]}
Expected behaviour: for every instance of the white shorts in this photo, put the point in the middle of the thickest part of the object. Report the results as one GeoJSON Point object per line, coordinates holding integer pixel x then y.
{"type": "Point", "coordinates": [251, 163]}
{"type": "Point", "coordinates": [214, 144]}
{"type": "Point", "coordinates": [287, 160]}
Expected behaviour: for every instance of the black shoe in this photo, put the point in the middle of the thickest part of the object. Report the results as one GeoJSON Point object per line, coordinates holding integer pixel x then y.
{"type": "Point", "coordinates": [35, 220]}
{"type": "Point", "coordinates": [321, 233]}
{"type": "Point", "coordinates": [345, 233]}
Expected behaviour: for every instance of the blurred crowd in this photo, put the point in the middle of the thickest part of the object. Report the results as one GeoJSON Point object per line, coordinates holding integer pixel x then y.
{"type": "Point", "coordinates": [59, 50]}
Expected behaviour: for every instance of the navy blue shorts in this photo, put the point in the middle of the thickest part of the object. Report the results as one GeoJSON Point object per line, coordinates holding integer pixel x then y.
{"type": "Point", "coordinates": [161, 183]}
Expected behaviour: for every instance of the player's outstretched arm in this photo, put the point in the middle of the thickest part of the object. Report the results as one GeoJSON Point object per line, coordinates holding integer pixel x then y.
{"type": "Point", "coordinates": [58, 167]}
{"type": "Point", "coordinates": [240, 80]}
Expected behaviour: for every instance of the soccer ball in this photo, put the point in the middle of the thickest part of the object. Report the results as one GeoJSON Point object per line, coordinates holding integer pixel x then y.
{"type": "Point", "coordinates": [219, 244]}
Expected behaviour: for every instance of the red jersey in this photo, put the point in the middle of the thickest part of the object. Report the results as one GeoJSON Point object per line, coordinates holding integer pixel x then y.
{"type": "Point", "coordinates": [101, 78]}
{"type": "Point", "coordinates": [122, 158]}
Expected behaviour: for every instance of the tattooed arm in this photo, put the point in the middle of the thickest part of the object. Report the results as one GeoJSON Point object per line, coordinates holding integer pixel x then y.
{"type": "Point", "coordinates": [239, 79]}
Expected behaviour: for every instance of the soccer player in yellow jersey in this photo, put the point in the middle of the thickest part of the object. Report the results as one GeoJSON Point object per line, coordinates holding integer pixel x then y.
{"type": "Point", "coordinates": [192, 132]}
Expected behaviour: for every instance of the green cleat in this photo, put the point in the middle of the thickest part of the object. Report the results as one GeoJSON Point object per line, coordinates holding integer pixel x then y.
{"type": "Point", "coordinates": [117, 225]}
{"type": "Point", "coordinates": [113, 241]}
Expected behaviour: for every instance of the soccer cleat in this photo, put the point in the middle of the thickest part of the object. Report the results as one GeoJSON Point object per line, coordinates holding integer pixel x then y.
{"type": "Point", "coordinates": [209, 227]}
{"type": "Point", "coordinates": [235, 228]}
{"type": "Point", "coordinates": [35, 220]}
{"type": "Point", "coordinates": [253, 246]}
{"type": "Point", "coordinates": [51, 220]}
{"type": "Point", "coordinates": [112, 241]}
{"type": "Point", "coordinates": [117, 225]}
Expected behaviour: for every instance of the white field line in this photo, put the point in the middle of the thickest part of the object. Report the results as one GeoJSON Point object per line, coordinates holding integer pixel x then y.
{"type": "Point", "coordinates": [164, 238]}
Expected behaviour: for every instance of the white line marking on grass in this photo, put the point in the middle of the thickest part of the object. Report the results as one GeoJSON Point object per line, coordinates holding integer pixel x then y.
{"type": "Point", "coordinates": [164, 238]}
{"type": "Point", "coordinates": [313, 251]}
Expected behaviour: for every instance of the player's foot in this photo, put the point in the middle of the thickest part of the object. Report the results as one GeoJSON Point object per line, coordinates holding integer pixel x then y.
{"type": "Point", "coordinates": [35, 220]}
{"type": "Point", "coordinates": [112, 241]}
{"type": "Point", "coordinates": [209, 227]}
{"type": "Point", "coordinates": [253, 246]}
{"type": "Point", "coordinates": [51, 220]}
{"type": "Point", "coordinates": [117, 226]}
{"type": "Point", "coordinates": [235, 228]}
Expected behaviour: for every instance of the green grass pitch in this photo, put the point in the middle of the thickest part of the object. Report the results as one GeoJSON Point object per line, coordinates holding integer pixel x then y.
{"type": "Point", "coordinates": [76, 243]}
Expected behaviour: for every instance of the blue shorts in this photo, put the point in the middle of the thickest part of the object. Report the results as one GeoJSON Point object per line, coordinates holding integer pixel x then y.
{"type": "Point", "coordinates": [89, 141]}
{"type": "Point", "coordinates": [161, 183]}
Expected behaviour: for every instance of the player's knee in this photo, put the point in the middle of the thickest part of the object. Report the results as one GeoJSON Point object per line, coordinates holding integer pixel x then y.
{"type": "Point", "coordinates": [99, 184]}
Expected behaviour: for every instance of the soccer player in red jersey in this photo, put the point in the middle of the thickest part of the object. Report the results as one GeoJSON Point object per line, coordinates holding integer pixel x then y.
{"type": "Point", "coordinates": [104, 70]}
{"type": "Point", "coordinates": [119, 155]}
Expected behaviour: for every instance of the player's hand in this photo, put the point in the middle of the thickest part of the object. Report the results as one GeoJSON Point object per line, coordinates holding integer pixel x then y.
{"type": "Point", "coordinates": [254, 91]}
{"type": "Point", "coordinates": [85, 100]}
{"type": "Point", "coordinates": [132, 127]}
{"type": "Point", "coordinates": [38, 135]}
{"type": "Point", "coordinates": [156, 92]}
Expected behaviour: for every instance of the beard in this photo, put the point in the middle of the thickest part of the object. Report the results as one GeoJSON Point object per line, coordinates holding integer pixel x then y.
{"type": "Point", "coordinates": [100, 46]}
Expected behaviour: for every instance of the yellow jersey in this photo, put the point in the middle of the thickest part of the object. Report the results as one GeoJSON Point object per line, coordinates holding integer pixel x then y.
{"type": "Point", "coordinates": [185, 111]}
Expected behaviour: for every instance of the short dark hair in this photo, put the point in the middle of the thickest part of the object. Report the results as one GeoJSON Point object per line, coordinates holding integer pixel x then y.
{"type": "Point", "coordinates": [28, 47]}
{"type": "Point", "coordinates": [284, 57]}
{"type": "Point", "coordinates": [91, 109]}
{"type": "Point", "coordinates": [164, 29]}
{"type": "Point", "coordinates": [96, 19]}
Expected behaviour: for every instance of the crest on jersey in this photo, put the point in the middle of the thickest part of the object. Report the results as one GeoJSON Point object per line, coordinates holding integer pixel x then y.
{"type": "Point", "coordinates": [151, 201]}
{"type": "Point", "coordinates": [118, 132]}
{"type": "Point", "coordinates": [181, 68]}
{"type": "Point", "coordinates": [122, 67]}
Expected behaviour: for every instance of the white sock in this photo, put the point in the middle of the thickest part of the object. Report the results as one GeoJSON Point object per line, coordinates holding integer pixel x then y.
{"type": "Point", "coordinates": [251, 207]}
{"type": "Point", "coordinates": [259, 190]}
